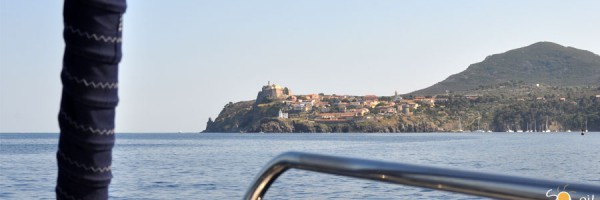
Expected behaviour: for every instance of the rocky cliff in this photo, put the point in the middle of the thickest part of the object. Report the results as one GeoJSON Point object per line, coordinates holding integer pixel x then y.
{"type": "Point", "coordinates": [248, 117]}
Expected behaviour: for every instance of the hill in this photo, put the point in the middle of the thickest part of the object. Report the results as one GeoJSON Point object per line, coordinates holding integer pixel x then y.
{"type": "Point", "coordinates": [541, 87]}
{"type": "Point", "coordinates": [543, 62]}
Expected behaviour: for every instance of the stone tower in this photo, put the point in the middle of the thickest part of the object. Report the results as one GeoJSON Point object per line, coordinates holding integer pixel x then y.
{"type": "Point", "coordinates": [271, 92]}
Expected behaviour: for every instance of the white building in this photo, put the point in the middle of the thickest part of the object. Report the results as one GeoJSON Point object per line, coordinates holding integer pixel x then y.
{"type": "Point", "coordinates": [282, 114]}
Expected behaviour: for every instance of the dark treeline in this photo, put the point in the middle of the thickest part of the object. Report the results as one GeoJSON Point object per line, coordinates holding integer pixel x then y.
{"type": "Point", "coordinates": [561, 115]}
{"type": "Point", "coordinates": [502, 112]}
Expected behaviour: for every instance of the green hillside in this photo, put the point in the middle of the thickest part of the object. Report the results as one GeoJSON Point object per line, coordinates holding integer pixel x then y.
{"type": "Point", "coordinates": [543, 62]}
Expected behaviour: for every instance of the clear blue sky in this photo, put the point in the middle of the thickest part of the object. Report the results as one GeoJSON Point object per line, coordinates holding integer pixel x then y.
{"type": "Point", "coordinates": [184, 60]}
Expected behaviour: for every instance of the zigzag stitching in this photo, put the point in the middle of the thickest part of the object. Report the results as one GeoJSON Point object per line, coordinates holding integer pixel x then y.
{"type": "Point", "coordinates": [93, 35]}
{"type": "Point", "coordinates": [79, 165]}
{"type": "Point", "coordinates": [65, 194]}
{"type": "Point", "coordinates": [87, 83]}
{"type": "Point", "coordinates": [87, 128]}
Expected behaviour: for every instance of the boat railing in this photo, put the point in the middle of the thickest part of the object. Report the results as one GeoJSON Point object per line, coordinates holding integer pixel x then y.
{"type": "Point", "coordinates": [465, 182]}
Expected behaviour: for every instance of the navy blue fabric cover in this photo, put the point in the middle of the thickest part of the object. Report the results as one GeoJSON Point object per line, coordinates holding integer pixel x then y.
{"type": "Point", "coordinates": [92, 34]}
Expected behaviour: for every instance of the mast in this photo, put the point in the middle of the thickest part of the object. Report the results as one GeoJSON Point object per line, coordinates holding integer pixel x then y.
{"type": "Point", "coordinates": [478, 119]}
{"type": "Point", "coordinates": [547, 130]}
{"type": "Point", "coordinates": [459, 125]}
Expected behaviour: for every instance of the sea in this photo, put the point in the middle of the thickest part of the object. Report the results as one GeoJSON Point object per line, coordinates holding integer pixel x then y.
{"type": "Point", "coordinates": [222, 166]}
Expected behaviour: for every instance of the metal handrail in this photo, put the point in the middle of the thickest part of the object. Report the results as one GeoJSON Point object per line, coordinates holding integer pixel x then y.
{"type": "Point", "coordinates": [472, 183]}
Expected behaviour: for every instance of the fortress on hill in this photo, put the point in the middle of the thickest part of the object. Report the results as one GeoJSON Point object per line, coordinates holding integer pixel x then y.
{"type": "Point", "coordinates": [272, 92]}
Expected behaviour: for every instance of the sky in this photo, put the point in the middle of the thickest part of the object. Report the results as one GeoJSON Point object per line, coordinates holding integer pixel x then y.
{"type": "Point", "coordinates": [185, 59]}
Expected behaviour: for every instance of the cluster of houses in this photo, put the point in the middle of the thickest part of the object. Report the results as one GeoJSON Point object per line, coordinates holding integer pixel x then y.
{"type": "Point", "coordinates": [341, 108]}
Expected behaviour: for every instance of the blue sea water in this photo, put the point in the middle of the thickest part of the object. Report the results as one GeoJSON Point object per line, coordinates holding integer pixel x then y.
{"type": "Point", "coordinates": [222, 166]}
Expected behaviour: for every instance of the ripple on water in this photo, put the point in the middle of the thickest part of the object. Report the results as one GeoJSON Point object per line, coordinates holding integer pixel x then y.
{"type": "Point", "coordinates": [222, 166]}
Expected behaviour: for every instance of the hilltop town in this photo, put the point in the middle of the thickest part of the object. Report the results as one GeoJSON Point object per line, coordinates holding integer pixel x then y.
{"type": "Point", "coordinates": [333, 108]}
{"type": "Point", "coordinates": [503, 107]}
{"type": "Point", "coordinates": [541, 87]}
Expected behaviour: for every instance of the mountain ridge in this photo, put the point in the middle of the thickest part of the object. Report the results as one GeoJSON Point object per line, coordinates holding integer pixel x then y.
{"type": "Point", "coordinates": [539, 63]}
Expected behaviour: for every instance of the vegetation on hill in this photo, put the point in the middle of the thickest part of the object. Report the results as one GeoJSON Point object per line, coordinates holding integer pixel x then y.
{"type": "Point", "coordinates": [543, 62]}
{"type": "Point", "coordinates": [521, 107]}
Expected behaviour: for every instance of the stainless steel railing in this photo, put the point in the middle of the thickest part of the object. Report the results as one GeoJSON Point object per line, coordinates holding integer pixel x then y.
{"type": "Point", "coordinates": [472, 183]}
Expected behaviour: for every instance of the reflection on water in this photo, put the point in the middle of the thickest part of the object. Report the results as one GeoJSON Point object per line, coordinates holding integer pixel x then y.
{"type": "Point", "coordinates": [221, 166]}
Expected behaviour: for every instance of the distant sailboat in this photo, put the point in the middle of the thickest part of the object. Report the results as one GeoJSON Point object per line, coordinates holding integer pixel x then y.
{"type": "Point", "coordinates": [509, 130]}
{"type": "Point", "coordinates": [547, 130]}
{"type": "Point", "coordinates": [583, 131]}
{"type": "Point", "coordinates": [586, 129]}
{"type": "Point", "coordinates": [478, 129]}
{"type": "Point", "coordinates": [459, 125]}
